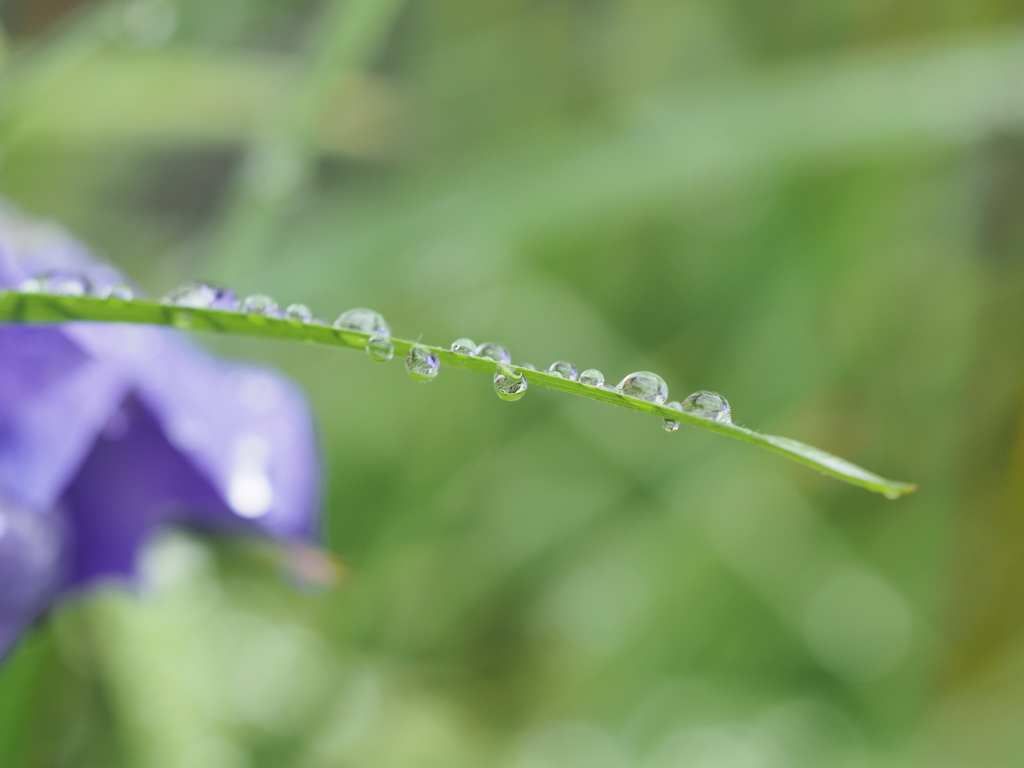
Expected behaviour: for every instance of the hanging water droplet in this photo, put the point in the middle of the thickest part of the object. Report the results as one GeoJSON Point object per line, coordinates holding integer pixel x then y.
{"type": "Point", "coordinates": [421, 363]}
{"type": "Point", "coordinates": [592, 378]}
{"type": "Point", "coordinates": [708, 405]}
{"type": "Point", "coordinates": [491, 351]}
{"type": "Point", "coordinates": [671, 425]}
{"type": "Point", "coordinates": [300, 313]}
{"type": "Point", "coordinates": [564, 369]}
{"type": "Point", "coordinates": [261, 305]}
{"type": "Point", "coordinates": [509, 383]}
{"type": "Point", "coordinates": [58, 282]}
{"type": "Point", "coordinates": [380, 348]}
{"type": "Point", "coordinates": [182, 319]}
{"type": "Point", "coordinates": [363, 320]}
{"type": "Point", "coordinates": [202, 295]}
{"type": "Point", "coordinates": [118, 292]}
{"type": "Point", "coordinates": [463, 346]}
{"type": "Point", "coordinates": [646, 386]}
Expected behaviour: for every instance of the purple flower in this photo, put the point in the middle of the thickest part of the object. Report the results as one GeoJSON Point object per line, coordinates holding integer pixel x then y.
{"type": "Point", "coordinates": [110, 432]}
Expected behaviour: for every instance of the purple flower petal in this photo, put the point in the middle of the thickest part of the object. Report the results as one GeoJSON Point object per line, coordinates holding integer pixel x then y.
{"type": "Point", "coordinates": [115, 431]}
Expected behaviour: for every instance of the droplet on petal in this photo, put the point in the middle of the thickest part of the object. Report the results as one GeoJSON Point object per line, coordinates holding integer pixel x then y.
{"type": "Point", "coordinates": [421, 363]}
{"type": "Point", "coordinates": [463, 346]}
{"type": "Point", "coordinates": [491, 351]}
{"type": "Point", "coordinates": [564, 369]}
{"type": "Point", "coordinates": [646, 386]}
{"type": "Point", "coordinates": [592, 378]}
{"type": "Point", "coordinates": [380, 348]}
{"type": "Point", "coordinates": [509, 382]}
{"type": "Point", "coordinates": [708, 405]}
{"type": "Point", "coordinates": [202, 295]}
{"type": "Point", "coordinates": [363, 320]}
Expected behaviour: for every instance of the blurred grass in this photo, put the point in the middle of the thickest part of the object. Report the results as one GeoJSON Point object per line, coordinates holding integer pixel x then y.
{"type": "Point", "coordinates": [814, 209]}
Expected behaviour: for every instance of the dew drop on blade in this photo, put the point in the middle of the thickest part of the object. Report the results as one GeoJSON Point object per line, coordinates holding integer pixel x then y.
{"type": "Point", "coordinates": [380, 348]}
{"type": "Point", "coordinates": [671, 425]}
{"type": "Point", "coordinates": [491, 351]}
{"type": "Point", "coordinates": [298, 313]}
{"type": "Point", "coordinates": [421, 363]}
{"type": "Point", "coordinates": [202, 295]}
{"type": "Point", "coordinates": [463, 346]}
{"type": "Point", "coordinates": [708, 405]}
{"type": "Point", "coordinates": [58, 282]}
{"type": "Point", "coordinates": [564, 369]}
{"type": "Point", "coordinates": [509, 383]}
{"type": "Point", "coordinates": [646, 386]}
{"type": "Point", "coordinates": [592, 378]}
{"type": "Point", "coordinates": [261, 305]}
{"type": "Point", "coordinates": [363, 320]}
{"type": "Point", "coordinates": [118, 292]}
{"type": "Point", "coordinates": [528, 366]}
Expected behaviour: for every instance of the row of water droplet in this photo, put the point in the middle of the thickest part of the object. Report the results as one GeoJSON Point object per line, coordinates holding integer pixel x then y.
{"type": "Point", "coordinates": [422, 364]}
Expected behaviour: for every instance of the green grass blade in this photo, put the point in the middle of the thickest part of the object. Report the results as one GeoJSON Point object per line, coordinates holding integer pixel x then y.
{"type": "Point", "coordinates": [40, 308]}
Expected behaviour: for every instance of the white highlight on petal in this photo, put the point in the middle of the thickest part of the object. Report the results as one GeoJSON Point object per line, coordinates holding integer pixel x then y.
{"type": "Point", "coordinates": [250, 492]}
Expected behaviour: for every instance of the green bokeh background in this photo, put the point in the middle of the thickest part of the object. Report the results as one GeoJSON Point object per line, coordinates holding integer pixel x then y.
{"type": "Point", "coordinates": [816, 209]}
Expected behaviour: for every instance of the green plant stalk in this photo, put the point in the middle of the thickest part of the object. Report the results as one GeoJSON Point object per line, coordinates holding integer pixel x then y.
{"type": "Point", "coordinates": [42, 308]}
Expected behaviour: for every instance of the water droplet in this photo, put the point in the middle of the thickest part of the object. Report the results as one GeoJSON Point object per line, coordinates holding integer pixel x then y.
{"type": "Point", "coordinates": [260, 304]}
{"type": "Point", "coordinates": [463, 346]}
{"type": "Point", "coordinates": [671, 425]}
{"type": "Point", "coordinates": [318, 321]}
{"type": "Point", "coordinates": [202, 295]}
{"type": "Point", "coordinates": [118, 292]}
{"type": "Point", "coordinates": [421, 363]}
{"type": "Point", "coordinates": [380, 348]}
{"type": "Point", "coordinates": [509, 382]}
{"type": "Point", "coordinates": [300, 313]}
{"type": "Point", "coordinates": [529, 366]}
{"type": "Point", "coordinates": [564, 369]}
{"type": "Point", "coordinates": [592, 378]}
{"type": "Point", "coordinates": [363, 320]}
{"type": "Point", "coordinates": [491, 351]}
{"type": "Point", "coordinates": [58, 282]}
{"type": "Point", "coordinates": [646, 386]}
{"type": "Point", "coordinates": [182, 319]}
{"type": "Point", "coordinates": [708, 405]}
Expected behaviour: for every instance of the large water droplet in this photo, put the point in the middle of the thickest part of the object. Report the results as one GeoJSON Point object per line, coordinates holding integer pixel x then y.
{"type": "Point", "coordinates": [202, 295]}
{"type": "Point", "coordinates": [646, 386]}
{"type": "Point", "coordinates": [463, 346]}
{"type": "Point", "coordinates": [380, 348]}
{"type": "Point", "coordinates": [491, 351]}
{"type": "Point", "coordinates": [708, 405]}
{"type": "Point", "coordinates": [592, 378]}
{"type": "Point", "coordinates": [509, 382]}
{"type": "Point", "coordinates": [58, 282]}
{"type": "Point", "coordinates": [118, 292]}
{"type": "Point", "coordinates": [363, 320]}
{"type": "Point", "coordinates": [261, 305]}
{"type": "Point", "coordinates": [421, 363]}
{"type": "Point", "coordinates": [671, 425]}
{"type": "Point", "coordinates": [564, 369]}
{"type": "Point", "coordinates": [300, 313]}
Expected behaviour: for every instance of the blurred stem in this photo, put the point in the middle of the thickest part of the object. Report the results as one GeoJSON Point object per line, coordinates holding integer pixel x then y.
{"type": "Point", "coordinates": [18, 307]}
{"type": "Point", "coordinates": [280, 159]}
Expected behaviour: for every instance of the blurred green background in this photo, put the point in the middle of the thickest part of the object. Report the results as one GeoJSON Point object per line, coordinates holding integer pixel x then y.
{"type": "Point", "coordinates": [816, 209]}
